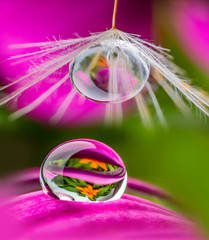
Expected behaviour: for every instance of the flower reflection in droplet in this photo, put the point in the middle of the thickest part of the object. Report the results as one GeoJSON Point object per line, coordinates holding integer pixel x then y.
{"type": "Point", "coordinates": [83, 170]}
{"type": "Point", "coordinates": [112, 71]}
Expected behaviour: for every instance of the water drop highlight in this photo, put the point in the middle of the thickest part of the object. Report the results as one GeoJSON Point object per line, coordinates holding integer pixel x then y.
{"type": "Point", "coordinates": [113, 71]}
{"type": "Point", "coordinates": [83, 170]}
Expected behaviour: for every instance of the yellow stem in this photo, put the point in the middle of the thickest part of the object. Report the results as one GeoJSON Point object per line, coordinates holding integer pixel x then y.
{"type": "Point", "coordinates": [114, 14]}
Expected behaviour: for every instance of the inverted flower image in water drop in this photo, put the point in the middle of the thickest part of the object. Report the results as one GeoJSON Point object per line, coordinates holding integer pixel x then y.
{"type": "Point", "coordinates": [83, 170]}
{"type": "Point", "coordinates": [112, 71]}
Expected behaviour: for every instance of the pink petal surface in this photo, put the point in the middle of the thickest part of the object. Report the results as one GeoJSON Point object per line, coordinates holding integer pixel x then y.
{"type": "Point", "coordinates": [147, 188]}
{"type": "Point", "coordinates": [35, 215]}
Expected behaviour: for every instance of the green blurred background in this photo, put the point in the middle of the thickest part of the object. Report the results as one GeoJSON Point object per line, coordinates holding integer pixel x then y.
{"type": "Point", "coordinates": [175, 159]}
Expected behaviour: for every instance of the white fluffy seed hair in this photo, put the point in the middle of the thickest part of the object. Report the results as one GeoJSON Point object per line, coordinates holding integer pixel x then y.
{"type": "Point", "coordinates": [53, 55]}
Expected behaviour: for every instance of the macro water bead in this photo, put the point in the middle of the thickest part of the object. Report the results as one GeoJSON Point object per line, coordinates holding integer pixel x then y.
{"type": "Point", "coordinates": [112, 71]}
{"type": "Point", "coordinates": [83, 170]}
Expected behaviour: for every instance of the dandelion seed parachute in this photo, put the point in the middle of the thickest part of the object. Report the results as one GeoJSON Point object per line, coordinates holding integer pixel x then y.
{"type": "Point", "coordinates": [101, 61]}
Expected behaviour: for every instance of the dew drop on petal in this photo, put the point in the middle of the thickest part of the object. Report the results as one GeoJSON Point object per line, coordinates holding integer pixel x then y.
{"type": "Point", "coordinates": [83, 170]}
{"type": "Point", "coordinates": [110, 72]}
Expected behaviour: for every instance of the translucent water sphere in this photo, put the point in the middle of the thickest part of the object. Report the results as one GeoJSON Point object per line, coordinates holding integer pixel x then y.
{"type": "Point", "coordinates": [83, 170]}
{"type": "Point", "coordinates": [110, 72]}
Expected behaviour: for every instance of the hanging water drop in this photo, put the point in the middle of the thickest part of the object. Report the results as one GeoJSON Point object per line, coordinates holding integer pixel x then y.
{"type": "Point", "coordinates": [112, 71]}
{"type": "Point", "coordinates": [83, 170]}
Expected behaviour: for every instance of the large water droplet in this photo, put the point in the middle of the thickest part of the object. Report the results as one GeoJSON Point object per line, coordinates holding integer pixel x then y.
{"type": "Point", "coordinates": [83, 170]}
{"type": "Point", "coordinates": [112, 71]}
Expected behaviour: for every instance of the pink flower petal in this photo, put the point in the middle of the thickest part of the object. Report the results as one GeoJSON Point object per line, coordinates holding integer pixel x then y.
{"type": "Point", "coordinates": [38, 216]}
{"type": "Point", "coordinates": [35, 215]}
{"type": "Point", "coordinates": [191, 22]}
